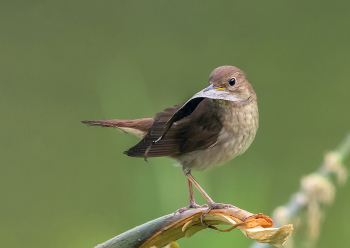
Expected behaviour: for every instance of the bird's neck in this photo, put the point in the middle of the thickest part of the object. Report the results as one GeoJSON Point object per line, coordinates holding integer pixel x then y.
{"type": "Point", "coordinates": [218, 103]}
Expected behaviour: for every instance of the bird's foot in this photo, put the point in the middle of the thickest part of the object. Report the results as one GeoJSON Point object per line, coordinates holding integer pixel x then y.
{"type": "Point", "coordinates": [192, 205]}
{"type": "Point", "coordinates": [216, 206]}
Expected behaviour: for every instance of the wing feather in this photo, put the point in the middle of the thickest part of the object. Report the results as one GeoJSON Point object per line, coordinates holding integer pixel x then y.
{"type": "Point", "coordinates": [197, 130]}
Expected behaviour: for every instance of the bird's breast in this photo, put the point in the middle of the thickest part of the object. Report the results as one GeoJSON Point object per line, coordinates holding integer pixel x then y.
{"type": "Point", "coordinates": [239, 126]}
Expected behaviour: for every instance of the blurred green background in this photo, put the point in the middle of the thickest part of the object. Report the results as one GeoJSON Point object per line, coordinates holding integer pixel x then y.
{"type": "Point", "coordinates": [66, 185]}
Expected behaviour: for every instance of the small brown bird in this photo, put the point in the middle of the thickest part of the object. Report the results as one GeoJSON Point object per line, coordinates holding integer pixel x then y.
{"type": "Point", "coordinates": [214, 126]}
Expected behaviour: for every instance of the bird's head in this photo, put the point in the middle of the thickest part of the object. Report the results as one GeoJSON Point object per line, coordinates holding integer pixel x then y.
{"type": "Point", "coordinates": [232, 80]}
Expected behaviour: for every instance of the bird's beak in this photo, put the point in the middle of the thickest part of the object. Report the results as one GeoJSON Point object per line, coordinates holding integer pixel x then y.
{"type": "Point", "coordinates": [210, 87]}
{"type": "Point", "coordinates": [218, 93]}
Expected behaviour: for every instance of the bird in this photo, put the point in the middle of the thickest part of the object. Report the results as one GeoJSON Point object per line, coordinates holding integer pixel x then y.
{"type": "Point", "coordinates": [214, 126]}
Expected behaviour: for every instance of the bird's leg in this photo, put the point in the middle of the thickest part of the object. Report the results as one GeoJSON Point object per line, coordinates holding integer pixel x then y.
{"type": "Point", "coordinates": [192, 180]}
{"type": "Point", "coordinates": [193, 204]}
{"type": "Point", "coordinates": [212, 204]}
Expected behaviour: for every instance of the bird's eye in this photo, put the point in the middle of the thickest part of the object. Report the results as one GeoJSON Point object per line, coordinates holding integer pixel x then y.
{"type": "Point", "coordinates": [232, 81]}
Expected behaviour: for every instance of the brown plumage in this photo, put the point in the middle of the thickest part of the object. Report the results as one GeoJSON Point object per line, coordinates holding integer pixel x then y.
{"type": "Point", "coordinates": [138, 127]}
{"type": "Point", "coordinates": [214, 126]}
{"type": "Point", "coordinates": [189, 134]}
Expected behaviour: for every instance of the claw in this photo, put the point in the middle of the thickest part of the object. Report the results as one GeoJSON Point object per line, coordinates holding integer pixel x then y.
{"type": "Point", "coordinates": [181, 210]}
{"type": "Point", "coordinates": [215, 206]}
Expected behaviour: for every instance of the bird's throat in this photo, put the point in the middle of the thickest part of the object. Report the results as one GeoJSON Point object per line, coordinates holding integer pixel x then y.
{"type": "Point", "coordinates": [220, 103]}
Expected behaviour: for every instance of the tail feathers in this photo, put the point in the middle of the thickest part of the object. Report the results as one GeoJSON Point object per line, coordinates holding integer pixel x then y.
{"type": "Point", "coordinates": [105, 123]}
{"type": "Point", "coordinates": [138, 127]}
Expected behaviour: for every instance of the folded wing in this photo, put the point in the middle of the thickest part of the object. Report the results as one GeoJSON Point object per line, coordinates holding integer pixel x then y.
{"type": "Point", "coordinates": [196, 127]}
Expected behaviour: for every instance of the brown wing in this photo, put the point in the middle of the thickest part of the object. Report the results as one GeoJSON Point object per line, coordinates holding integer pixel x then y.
{"type": "Point", "coordinates": [197, 131]}
{"type": "Point", "coordinates": [154, 133]}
